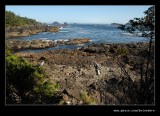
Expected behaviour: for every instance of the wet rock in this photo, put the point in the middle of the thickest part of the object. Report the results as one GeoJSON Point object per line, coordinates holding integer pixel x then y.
{"type": "Point", "coordinates": [60, 42]}
{"type": "Point", "coordinates": [78, 41]}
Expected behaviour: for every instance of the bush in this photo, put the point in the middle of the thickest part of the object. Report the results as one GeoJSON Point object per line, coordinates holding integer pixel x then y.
{"type": "Point", "coordinates": [28, 82]}
{"type": "Point", "coordinates": [47, 92]}
{"type": "Point", "coordinates": [122, 51]}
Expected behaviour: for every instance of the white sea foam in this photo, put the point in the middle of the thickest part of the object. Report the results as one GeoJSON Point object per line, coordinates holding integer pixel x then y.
{"type": "Point", "coordinates": [133, 34]}
{"type": "Point", "coordinates": [63, 31]}
{"type": "Point", "coordinates": [139, 34]}
{"type": "Point", "coordinates": [45, 32]}
{"type": "Point", "coordinates": [47, 40]}
{"type": "Point", "coordinates": [60, 27]}
{"type": "Point", "coordinates": [60, 40]}
{"type": "Point", "coordinates": [128, 34]}
{"type": "Point", "coordinates": [80, 44]}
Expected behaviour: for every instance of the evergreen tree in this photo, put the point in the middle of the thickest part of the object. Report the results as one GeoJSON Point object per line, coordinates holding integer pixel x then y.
{"type": "Point", "coordinates": [13, 20]}
{"type": "Point", "coordinates": [146, 26]}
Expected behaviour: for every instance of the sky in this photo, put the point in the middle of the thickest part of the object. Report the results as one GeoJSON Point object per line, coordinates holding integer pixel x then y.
{"type": "Point", "coordinates": [91, 14]}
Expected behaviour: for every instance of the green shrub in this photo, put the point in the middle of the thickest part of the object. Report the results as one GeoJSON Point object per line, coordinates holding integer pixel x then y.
{"type": "Point", "coordinates": [47, 88]}
{"type": "Point", "coordinates": [46, 92]}
{"type": "Point", "coordinates": [122, 51]}
{"type": "Point", "coordinates": [28, 80]}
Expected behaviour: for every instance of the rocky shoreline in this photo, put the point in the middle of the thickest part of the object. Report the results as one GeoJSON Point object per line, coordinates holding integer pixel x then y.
{"type": "Point", "coordinates": [16, 32]}
{"type": "Point", "coordinates": [74, 70]}
{"type": "Point", "coordinates": [16, 44]}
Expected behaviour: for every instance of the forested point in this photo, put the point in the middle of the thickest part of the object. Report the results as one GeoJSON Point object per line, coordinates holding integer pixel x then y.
{"type": "Point", "coordinates": [17, 26]}
{"type": "Point", "coordinates": [13, 20]}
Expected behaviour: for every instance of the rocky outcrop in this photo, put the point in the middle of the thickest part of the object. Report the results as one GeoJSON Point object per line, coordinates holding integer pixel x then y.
{"type": "Point", "coordinates": [16, 44]}
{"type": "Point", "coordinates": [34, 44]}
{"type": "Point", "coordinates": [74, 71]}
{"type": "Point", "coordinates": [40, 44]}
{"type": "Point", "coordinates": [120, 49]}
{"type": "Point", "coordinates": [15, 32]}
{"type": "Point", "coordinates": [78, 41]}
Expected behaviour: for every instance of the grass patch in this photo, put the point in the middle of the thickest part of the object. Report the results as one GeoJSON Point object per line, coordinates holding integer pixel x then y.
{"type": "Point", "coordinates": [87, 99]}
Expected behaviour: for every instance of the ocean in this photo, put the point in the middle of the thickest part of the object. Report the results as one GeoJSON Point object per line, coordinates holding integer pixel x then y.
{"type": "Point", "coordinates": [98, 33]}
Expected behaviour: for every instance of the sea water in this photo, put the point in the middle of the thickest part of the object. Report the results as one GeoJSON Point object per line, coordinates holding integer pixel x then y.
{"type": "Point", "coordinates": [98, 33]}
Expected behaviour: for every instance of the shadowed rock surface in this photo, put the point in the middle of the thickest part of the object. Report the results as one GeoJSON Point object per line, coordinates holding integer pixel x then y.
{"type": "Point", "coordinates": [74, 70]}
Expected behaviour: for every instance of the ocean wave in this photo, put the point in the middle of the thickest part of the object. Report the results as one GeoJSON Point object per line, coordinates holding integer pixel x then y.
{"type": "Point", "coordinates": [133, 34]}
{"type": "Point", "coordinates": [80, 44]}
{"type": "Point", "coordinates": [128, 34]}
{"type": "Point", "coordinates": [61, 40]}
{"type": "Point", "coordinates": [63, 31]}
{"type": "Point", "coordinates": [44, 33]}
{"type": "Point", "coordinates": [138, 34]}
{"type": "Point", "coordinates": [47, 40]}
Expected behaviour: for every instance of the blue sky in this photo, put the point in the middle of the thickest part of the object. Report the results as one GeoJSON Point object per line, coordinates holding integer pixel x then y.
{"type": "Point", "coordinates": [97, 14]}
